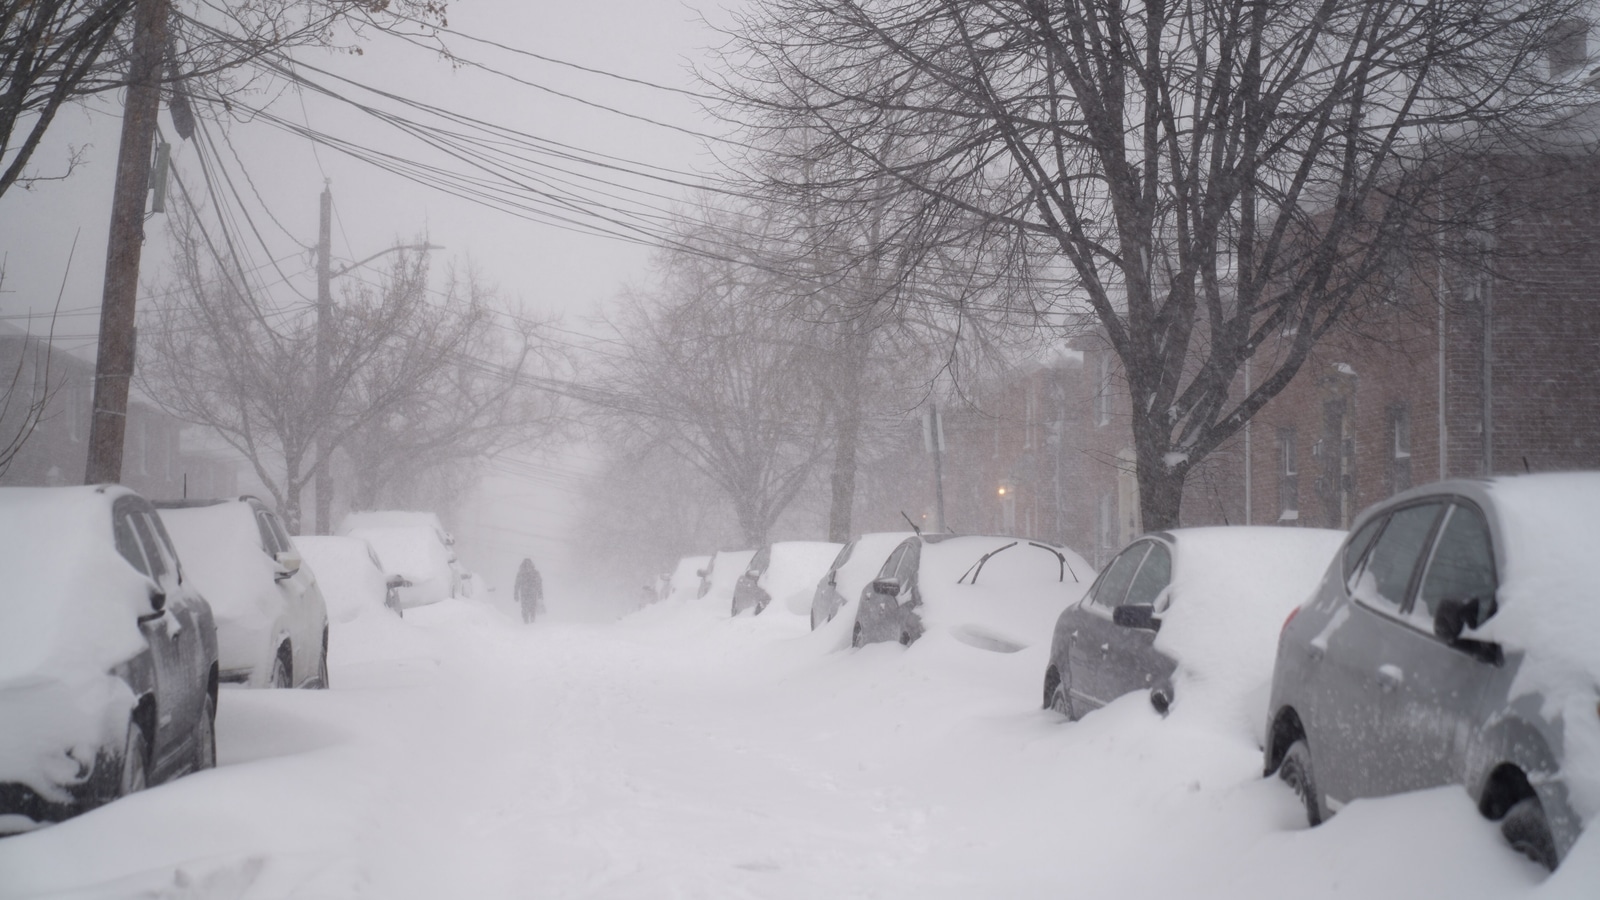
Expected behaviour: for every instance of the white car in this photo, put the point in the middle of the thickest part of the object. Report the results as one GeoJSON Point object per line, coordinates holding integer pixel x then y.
{"type": "Point", "coordinates": [272, 623]}
{"type": "Point", "coordinates": [414, 546]}
{"type": "Point", "coordinates": [351, 576]}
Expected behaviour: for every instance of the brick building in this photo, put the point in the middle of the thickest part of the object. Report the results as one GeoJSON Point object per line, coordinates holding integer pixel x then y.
{"type": "Point", "coordinates": [1478, 362]}
{"type": "Point", "coordinates": [161, 458]}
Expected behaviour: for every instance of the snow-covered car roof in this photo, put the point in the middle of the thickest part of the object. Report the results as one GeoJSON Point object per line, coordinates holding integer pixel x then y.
{"type": "Point", "coordinates": [1018, 594]}
{"type": "Point", "coordinates": [1232, 589]}
{"type": "Point", "coordinates": [71, 602]}
{"type": "Point", "coordinates": [393, 518]}
{"type": "Point", "coordinates": [347, 568]}
{"type": "Point", "coordinates": [793, 571]}
{"type": "Point", "coordinates": [414, 551]}
{"type": "Point", "coordinates": [220, 548]}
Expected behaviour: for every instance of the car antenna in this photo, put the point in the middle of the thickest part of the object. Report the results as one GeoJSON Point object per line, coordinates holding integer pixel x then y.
{"type": "Point", "coordinates": [911, 523]}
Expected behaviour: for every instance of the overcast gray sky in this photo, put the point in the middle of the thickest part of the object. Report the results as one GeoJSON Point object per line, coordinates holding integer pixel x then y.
{"type": "Point", "coordinates": [524, 507]}
{"type": "Point", "coordinates": [548, 268]}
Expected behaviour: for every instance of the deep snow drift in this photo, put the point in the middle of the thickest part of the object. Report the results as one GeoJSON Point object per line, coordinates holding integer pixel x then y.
{"type": "Point", "coordinates": [680, 753]}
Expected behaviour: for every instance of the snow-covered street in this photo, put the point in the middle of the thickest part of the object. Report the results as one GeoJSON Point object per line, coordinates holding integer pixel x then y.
{"type": "Point", "coordinates": [678, 753]}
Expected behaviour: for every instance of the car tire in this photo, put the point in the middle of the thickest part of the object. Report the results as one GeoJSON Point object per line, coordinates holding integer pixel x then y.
{"type": "Point", "coordinates": [855, 635]}
{"type": "Point", "coordinates": [1061, 701]}
{"type": "Point", "coordinates": [1527, 830]}
{"type": "Point", "coordinates": [135, 775]}
{"type": "Point", "coordinates": [282, 673]}
{"type": "Point", "coordinates": [205, 746]}
{"type": "Point", "coordinates": [813, 619]}
{"type": "Point", "coordinates": [905, 638]}
{"type": "Point", "coordinates": [1295, 770]}
{"type": "Point", "coordinates": [321, 683]}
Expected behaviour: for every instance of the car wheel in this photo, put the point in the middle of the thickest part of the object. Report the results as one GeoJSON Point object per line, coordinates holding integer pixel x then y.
{"type": "Point", "coordinates": [905, 638]}
{"type": "Point", "coordinates": [135, 762]}
{"type": "Point", "coordinates": [205, 736]}
{"type": "Point", "coordinates": [1061, 701]}
{"type": "Point", "coordinates": [1527, 830]}
{"type": "Point", "coordinates": [322, 665]}
{"type": "Point", "coordinates": [855, 635]}
{"type": "Point", "coordinates": [1295, 770]}
{"type": "Point", "coordinates": [813, 619]}
{"type": "Point", "coordinates": [282, 676]}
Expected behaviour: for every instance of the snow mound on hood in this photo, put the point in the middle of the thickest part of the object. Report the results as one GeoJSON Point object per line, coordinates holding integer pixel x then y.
{"type": "Point", "coordinates": [1549, 601]}
{"type": "Point", "coordinates": [68, 616]}
{"type": "Point", "coordinates": [791, 577]}
{"type": "Point", "coordinates": [1232, 589]}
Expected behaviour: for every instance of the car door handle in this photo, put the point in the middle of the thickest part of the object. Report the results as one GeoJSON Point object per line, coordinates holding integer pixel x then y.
{"type": "Point", "coordinates": [1390, 677]}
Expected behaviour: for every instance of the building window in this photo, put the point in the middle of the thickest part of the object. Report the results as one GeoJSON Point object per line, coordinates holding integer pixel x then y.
{"type": "Point", "coordinates": [1399, 448]}
{"type": "Point", "coordinates": [1288, 476]}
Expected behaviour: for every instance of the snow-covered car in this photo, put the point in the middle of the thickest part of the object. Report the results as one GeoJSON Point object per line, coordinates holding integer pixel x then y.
{"type": "Point", "coordinates": [1454, 640]}
{"type": "Point", "coordinates": [108, 654]}
{"type": "Point", "coordinates": [413, 546]}
{"type": "Point", "coordinates": [684, 582]}
{"type": "Point", "coordinates": [1188, 608]}
{"type": "Point", "coordinates": [721, 575]}
{"type": "Point", "coordinates": [849, 573]}
{"type": "Point", "coordinates": [272, 623]}
{"type": "Point", "coordinates": [350, 576]}
{"type": "Point", "coordinates": [778, 570]}
{"type": "Point", "coordinates": [994, 593]}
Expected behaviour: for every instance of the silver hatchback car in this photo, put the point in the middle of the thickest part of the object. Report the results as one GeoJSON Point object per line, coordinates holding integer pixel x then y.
{"type": "Point", "coordinates": [1454, 640]}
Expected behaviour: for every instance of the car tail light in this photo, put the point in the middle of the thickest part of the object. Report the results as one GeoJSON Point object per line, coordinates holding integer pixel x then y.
{"type": "Point", "coordinates": [1292, 613]}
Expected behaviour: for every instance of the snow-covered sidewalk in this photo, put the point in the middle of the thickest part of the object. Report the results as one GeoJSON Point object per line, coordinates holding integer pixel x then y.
{"type": "Point", "coordinates": [681, 754]}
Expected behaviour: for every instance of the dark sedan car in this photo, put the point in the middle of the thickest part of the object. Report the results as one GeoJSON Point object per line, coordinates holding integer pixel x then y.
{"type": "Point", "coordinates": [1453, 641]}
{"type": "Point", "coordinates": [108, 656]}
{"type": "Point", "coordinates": [1208, 599]}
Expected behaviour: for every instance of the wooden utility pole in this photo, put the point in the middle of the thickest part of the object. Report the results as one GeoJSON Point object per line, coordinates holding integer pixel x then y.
{"type": "Point", "coordinates": [324, 483]}
{"type": "Point", "coordinates": [114, 363]}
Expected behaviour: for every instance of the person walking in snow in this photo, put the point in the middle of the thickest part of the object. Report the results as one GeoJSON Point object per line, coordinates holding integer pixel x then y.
{"type": "Point", "coordinates": [529, 590]}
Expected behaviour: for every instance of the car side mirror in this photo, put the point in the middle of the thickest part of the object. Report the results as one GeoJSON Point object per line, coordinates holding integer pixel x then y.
{"type": "Point", "coordinates": [833, 579]}
{"type": "Point", "coordinates": [1136, 615]}
{"type": "Point", "coordinates": [289, 561]}
{"type": "Point", "coordinates": [158, 601]}
{"type": "Point", "coordinates": [889, 587]}
{"type": "Point", "coordinates": [1454, 616]}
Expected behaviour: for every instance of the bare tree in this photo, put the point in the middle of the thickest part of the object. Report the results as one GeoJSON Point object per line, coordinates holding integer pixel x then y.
{"type": "Point", "coordinates": [220, 356]}
{"type": "Point", "coordinates": [1210, 174]}
{"type": "Point", "coordinates": [709, 373]}
{"type": "Point", "coordinates": [53, 52]}
{"type": "Point", "coordinates": [426, 449]}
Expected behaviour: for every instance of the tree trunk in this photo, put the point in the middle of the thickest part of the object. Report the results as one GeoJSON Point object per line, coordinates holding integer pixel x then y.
{"type": "Point", "coordinates": [1160, 486]}
{"type": "Point", "coordinates": [847, 440]}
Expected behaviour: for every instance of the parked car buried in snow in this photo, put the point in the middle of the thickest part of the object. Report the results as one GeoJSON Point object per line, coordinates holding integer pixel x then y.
{"type": "Point", "coordinates": [415, 547]}
{"type": "Point", "coordinates": [781, 567]}
{"type": "Point", "coordinates": [849, 573]}
{"type": "Point", "coordinates": [108, 654]}
{"type": "Point", "coordinates": [1453, 641]}
{"type": "Point", "coordinates": [350, 576]}
{"type": "Point", "coordinates": [1200, 606]}
{"type": "Point", "coordinates": [272, 623]}
{"type": "Point", "coordinates": [721, 575]}
{"type": "Point", "coordinates": [994, 593]}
